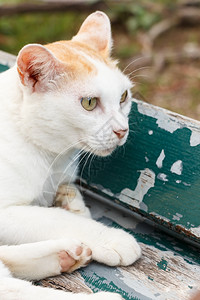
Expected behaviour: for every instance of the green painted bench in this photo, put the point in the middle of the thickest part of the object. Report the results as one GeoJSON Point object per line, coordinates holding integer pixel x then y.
{"type": "Point", "coordinates": [149, 187]}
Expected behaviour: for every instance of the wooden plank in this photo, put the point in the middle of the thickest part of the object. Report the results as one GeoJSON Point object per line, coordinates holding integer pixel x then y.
{"type": "Point", "coordinates": [68, 282]}
{"type": "Point", "coordinates": [168, 269]}
{"type": "Point", "coordinates": [157, 172]}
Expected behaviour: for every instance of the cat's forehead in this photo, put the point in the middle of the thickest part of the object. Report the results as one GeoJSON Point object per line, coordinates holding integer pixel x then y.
{"type": "Point", "coordinates": [79, 57]}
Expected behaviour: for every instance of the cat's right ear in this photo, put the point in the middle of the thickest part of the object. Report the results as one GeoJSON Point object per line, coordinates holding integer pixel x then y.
{"type": "Point", "coordinates": [96, 33]}
{"type": "Point", "coordinates": [37, 67]}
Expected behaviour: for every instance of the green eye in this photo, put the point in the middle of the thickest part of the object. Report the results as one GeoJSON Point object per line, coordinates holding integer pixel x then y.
{"type": "Point", "coordinates": [124, 96]}
{"type": "Point", "coordinates": [89, 103]}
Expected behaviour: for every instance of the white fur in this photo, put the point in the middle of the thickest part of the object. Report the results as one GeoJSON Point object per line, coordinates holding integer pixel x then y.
{"type": "Point", "coordinates": [41, 135]}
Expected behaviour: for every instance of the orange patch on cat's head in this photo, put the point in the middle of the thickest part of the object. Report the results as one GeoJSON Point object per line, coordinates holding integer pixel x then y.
{"type": "Point", "coordinates": [74, 63]}
{"type": "Point", "coordinates": [76, 57]}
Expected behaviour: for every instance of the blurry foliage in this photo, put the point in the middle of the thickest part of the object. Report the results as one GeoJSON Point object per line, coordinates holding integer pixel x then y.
{"type": "Point", "coordinates": [141, 18]}
{"type": "Point", "coordinates": [16, 31]}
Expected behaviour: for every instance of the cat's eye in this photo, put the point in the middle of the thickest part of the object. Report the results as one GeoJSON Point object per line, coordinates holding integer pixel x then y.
{"type": "Point", "coordinates": [89, 103]}
{"type": "Point", "coordinates": [124, 96]}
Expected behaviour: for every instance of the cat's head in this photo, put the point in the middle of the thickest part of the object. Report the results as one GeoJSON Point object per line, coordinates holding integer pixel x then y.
{"type": "Point", "coordinates": [73, 93]}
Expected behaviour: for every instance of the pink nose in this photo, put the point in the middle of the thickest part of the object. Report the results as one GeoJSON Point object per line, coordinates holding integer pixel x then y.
{"type": "Point", "coordinates": [120, 133]}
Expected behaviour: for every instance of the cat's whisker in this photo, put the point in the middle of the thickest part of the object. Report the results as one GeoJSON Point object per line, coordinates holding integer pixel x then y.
{"type": "Point", "coordinates": [133, 61]}
{"type": "Point", "coordinates": [84, 155]}
{"type": "Point", "coordinates": [136, 82]}
{"type": "Point", "coordinates": [55, 161]}
{"type": "Point", "coordinates": [124, 150]}
{"type": "Point", "coordinates": [89, 169]}
{"type": "Point", "coordinates": [140, 75]}
{"type": "Point", "coordinates": [78, 155]}
{"type": "Point", "coordinates": [81, 175]}
{"type": "Point", "coordinates": [137, 70]}
{"type": "Point", "coordinates": [63, 152]}
{"type": "Point", "coordinates": [133, 131]}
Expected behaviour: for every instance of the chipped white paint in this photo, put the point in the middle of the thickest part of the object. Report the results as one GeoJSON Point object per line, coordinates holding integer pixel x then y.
{"type": "Point", "coordinates": [163, 120]}
{"type": "Point", "coordinates": [146, 159]}
{"type": "Point", "coordinates": [178, 181]}
{"type": "Point", "coordinates": [150, 132]}
{"type": "Point", "coordinates": [195, 138]}
{"type": "Point", "coordinates": [171, 121]}
{"type": "Point", "coordinates": [186, 184]}
{"type": "Point", "coordinates": [145, 181]}
{"type": "Point", "coordinates": [154, 282]}
{"type": "Point", "coordinates": [177, 167]}
{"type": "Point", "coordinates": [160, 159]}
{"type": "Point", "coordinates": [154, 214]}
{"type": "Point", "coordinates": [177, 217]}
{"type": "Point", "coordinates": [108, 192]}
{"type": "Point", "coordinates": [136, 284]}
{"type": "Point", "coordinates": [162, 176]}
{"type": "Point", "coordinates": [196, 231]}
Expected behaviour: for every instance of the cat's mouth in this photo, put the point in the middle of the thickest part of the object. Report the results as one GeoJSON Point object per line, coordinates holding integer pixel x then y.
{"type": "Point", "coordinates": [105, 152]}
{"type": "Point", "coordinates": [100, 151]}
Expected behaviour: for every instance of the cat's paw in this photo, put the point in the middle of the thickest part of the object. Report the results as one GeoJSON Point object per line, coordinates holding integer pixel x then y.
{"type": "Point", "coordinates": [69, 198]}
{"type": "Point", "coordinates": [116, 248]}
{"type": "Point", "coordinates": [74, 257]}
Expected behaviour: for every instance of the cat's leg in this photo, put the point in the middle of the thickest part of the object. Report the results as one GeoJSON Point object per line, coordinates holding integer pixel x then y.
{"type": "Point", "coordinates": [25, 224]}
{"type": "Point", "coordinates": [69, 198]}
{"type": "Point", "coordinates": [39, 260]}
{"type": "Point", "coordinates": [17, 289]}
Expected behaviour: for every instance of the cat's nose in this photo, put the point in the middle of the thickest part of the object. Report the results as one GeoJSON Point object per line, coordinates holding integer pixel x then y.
{"type": "Point", "coordinates": [120, 133]}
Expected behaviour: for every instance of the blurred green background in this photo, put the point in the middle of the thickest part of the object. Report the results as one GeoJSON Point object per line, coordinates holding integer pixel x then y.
{"type": "Point", "coordinates": [158, 42]}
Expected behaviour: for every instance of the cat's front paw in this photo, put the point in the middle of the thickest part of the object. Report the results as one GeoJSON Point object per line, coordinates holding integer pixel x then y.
{"type": "Point", "coordinates": [73, 259]}
{"type": "Point", "coordinates": [69, 198]}
{"type": "Point", "coordinates": [116, 248]}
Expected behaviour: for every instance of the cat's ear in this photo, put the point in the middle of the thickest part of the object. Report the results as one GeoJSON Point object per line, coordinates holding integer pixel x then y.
{"type": "Point", "coordinates": [96, 33]}
{"type": "Point", "coordinates": [37, 67]}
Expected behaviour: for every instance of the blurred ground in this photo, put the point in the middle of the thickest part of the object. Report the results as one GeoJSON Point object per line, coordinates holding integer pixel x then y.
{"type": "Point", "coordinates": [164, 64]}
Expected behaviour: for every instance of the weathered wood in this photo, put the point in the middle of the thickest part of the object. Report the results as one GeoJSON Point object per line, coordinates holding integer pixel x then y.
{"type": "Point", "coordinates": [168, 269]}
{"type": "Point", "coordinates": [67, 282]}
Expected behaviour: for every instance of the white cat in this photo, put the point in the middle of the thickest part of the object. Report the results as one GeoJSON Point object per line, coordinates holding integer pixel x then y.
{"type": "Point", "coordinates": [56, 101]}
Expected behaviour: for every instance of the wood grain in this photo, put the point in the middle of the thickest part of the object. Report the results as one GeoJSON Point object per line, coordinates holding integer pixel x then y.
{"type": "Point", "coordinates": [67, 282]}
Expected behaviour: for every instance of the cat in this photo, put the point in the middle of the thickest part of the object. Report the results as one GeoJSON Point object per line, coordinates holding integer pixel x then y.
{"type": "Point", "coordinates": [54, 101]}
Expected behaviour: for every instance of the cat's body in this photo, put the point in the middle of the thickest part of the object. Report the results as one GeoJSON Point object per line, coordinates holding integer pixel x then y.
{"type": "Point", "coordinates": [54, 102]}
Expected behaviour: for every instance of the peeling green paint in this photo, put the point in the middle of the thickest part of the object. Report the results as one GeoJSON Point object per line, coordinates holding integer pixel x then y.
{"type": "Point", "coordinates": [98, 282]}
{"type": "Point", "coordinates": [163, 265]}
{"type": "Point", "coordinates": [99, 277]}
{"type": "Point", "coordinates": [150, 278]}
{"type": "Point", "coordinates": [3, 68]}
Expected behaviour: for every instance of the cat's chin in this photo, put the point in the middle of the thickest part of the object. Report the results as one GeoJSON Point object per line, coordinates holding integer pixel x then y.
{"type": "Point", "coordinates": [105, 152]}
